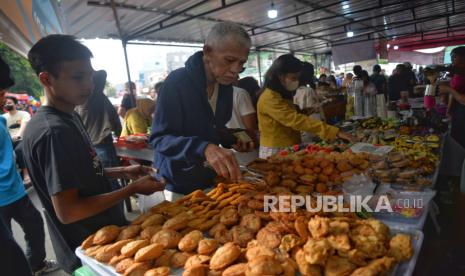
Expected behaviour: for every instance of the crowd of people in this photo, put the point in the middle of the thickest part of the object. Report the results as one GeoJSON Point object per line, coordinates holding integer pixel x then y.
{"type": "Point", "coordinates": [203, 122]}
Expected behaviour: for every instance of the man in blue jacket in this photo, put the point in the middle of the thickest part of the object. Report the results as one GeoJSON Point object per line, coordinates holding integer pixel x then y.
{"type": "Point", "coordinates": [193, 107]}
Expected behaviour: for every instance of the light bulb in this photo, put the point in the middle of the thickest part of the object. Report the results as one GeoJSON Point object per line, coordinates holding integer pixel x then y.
{"type": "Point", "coordinates": [396, 47]}
{"type": "Point", "coordinates": [350, 34]}
{"type": "Point", "coordinates": [272, 14]}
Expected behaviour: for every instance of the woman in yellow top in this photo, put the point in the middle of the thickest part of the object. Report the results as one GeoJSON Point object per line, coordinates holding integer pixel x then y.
{"type": "Point", "coordinates": [279, 121]}
{"type": "Point", "coordinates": [138, 119]}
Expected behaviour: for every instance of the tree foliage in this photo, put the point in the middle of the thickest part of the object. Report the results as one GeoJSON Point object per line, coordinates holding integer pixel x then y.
{"type": "Point", "coordinates": [25, 78]}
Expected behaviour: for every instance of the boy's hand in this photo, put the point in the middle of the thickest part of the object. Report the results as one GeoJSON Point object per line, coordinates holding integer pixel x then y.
{"type": "Point", "coordinates": [147, 185]}
{"type": "Point", "coordinates": [136, 171]}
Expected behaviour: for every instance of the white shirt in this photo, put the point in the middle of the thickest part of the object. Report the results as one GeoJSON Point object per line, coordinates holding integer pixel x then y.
{"type": "Point", "coordinates": [21, 118]}
{"type": "Point", "coordinates": [242, 106]}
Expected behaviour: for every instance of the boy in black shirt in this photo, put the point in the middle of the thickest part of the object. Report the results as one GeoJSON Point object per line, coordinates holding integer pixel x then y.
{"type": "Point", "coordinates": [64, 168]}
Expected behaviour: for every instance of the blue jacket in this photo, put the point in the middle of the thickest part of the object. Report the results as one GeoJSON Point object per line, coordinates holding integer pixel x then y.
{"type": "Point", "coordinates": [185, 124]}
{"type": "Point", "coordinates": [11, 185]}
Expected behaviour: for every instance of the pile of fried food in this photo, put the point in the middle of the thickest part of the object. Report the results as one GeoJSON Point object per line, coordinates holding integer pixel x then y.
{"type": "Point", "coordinates": [401, 169]}
{"type": "Point", "coordinates": [305, 173]}
{"type": "Point", "coordinates": [244, 240]}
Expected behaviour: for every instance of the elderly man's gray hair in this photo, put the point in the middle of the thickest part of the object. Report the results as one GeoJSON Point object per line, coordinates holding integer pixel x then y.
{"type": "Point", "coordinates": [221, 31]}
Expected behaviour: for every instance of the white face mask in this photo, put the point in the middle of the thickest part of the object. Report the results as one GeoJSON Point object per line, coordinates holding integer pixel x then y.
{"type": "Point", "coordinates": [291, 85]}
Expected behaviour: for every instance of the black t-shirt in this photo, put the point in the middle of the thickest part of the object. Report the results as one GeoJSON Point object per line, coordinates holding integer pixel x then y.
{"type": "Point", "coordinates": [59, 156]}
{"type": "Point", "coordinates": [126, 102]}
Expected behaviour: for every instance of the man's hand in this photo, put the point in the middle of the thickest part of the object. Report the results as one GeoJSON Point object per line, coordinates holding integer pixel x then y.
{"type": "Point", "coordinates": [346, 136]}
{"type": "Point", "coordinates": [147, 185]}
{"type": "Point", "coordinates": [136, 171]}
{"type": "Point", "coordinates": [241, 146]}
{"type": "Point", "coordinates": [223, 162]}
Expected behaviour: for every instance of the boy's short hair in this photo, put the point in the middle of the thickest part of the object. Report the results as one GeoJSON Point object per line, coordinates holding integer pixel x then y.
{"type": "Point", "coordinates": [459, 51]}
{"type": "Point", "coordinates": [11, 98]}
{"type": "Point", "coordinates": [50, 51]}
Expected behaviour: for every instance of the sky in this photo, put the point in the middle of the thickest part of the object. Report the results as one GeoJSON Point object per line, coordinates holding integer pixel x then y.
{"type": "Point", "coordinates": [109, 56]}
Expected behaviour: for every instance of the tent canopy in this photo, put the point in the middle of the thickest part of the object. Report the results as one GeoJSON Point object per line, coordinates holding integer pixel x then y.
{"type": "Point", "coordinates": [308, 26]}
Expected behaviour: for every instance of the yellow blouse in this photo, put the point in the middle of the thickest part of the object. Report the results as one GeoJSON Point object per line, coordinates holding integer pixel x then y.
{"type": "Point", "coordinates": [280, 124]}
{"type": "Point", "coordinates": [134, 123]}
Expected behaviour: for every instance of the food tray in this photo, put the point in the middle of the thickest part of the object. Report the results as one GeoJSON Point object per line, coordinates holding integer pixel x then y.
{"type": "Point", "coordinates": [403, 269]}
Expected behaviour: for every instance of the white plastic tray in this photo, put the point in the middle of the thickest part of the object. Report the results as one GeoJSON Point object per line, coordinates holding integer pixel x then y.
{"type": "Point", "coordinates": [403, 269]}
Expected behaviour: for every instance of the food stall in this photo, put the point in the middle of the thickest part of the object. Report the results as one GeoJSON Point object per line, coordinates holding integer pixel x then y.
{"type": "Point", "coordinates": [227, 230]}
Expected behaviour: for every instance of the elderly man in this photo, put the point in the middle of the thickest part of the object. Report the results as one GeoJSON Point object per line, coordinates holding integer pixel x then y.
{"type": "Point", "coordinates": [193, 107]}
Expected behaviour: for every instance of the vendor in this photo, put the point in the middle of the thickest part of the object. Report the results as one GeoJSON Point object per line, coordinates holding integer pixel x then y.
{"type": "Point", "coordinates": [193, 107]}
{"type": "Point", "coordinates": [457, 92]}
{"type": "Point", "coordinates": [138, 119]}
{"type": "Point", "coordinates": [279, 121]}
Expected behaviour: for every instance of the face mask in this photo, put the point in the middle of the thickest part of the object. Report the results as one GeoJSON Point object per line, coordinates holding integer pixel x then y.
{"type": "Point", "coordinates": [291, 85]}
{"type": "Point", "coordinates": [9, 107]}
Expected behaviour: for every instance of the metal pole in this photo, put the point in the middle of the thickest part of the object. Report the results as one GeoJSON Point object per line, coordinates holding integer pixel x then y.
{"type": "Point", "coordinates": [131, 92]}
{"type": "Point", "coordinates": [259, 69]}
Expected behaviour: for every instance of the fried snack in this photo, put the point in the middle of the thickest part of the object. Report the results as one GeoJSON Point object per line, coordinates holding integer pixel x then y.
{"type": "Point", "coordinates": [99, 250]}
{"type": "Point", "coordinates": [216, 228]}
{"type": "Point", "coordinates": [141, 218]}
{"type": "Point", "coordinates": [376, 267]}
{"type": "Point", "coordinates": [209, 224]}
{"type": "Point", "coordinates": [199, 270]}
{"type": "Point", "coordinates": [336, 266]}
{"type": "Point", "coordinates": [322, 187]}
{"type": "Point", "coordinates": [317, 251]}
{"type": "Point", "coordinates": [178, 222]}
{"type": "Point", "coordinates": [132, 247]}
{"type": "Point", "coordinates": [259, 250]}
{"type": "Point", "coordinates": [165, 258]}
{"type": "Point", "coordinates": [207, 246]}
{"type": "Point", "coordinates": [303, 189]}
{"type": "Point", "coordinates": [155, 219]}
{"type": "Point", "coordinates": [128, 232]}
{"type": "Point", "coordinates": [288, 242]}
{"type": "Point", "coordinates": [229, 216]}
{"type": "Point", "coordinates": [91, 251]}
{"type": "Point", "coordinates": [179, 259]}
{"type": "Point", "coordinates": [255, 204]}
{"type": "Point", "coordinates": [318, 226]}
{"type": "Point", "coordinates": [228, 200]}
{"type": "Point", "coordinates": [190, 241]}
{"type": "Point", "coordinates": [289, 267]}
{"type": "Point", "coordinates": [242, 235]}
{"type": "Point", "coordinates": [149, 252]}
{"type": "Point", "coordinates": [88, 242]}
{"type": "Point", "coordinates": [269, 238]}
{"type": "Point", "coordinates": [149, 231]}
{"type": "Point", "coordinates": [400, 247]}
{"type": "Point", "coordinates": [196, 260]}
{"type": "Point", "coordinates": [159, 271]}
{"type": "Point", "coordinates": [106, 234]}
{"type": "Point", "coordinates": [223, 236]}
{"type": "Point", "coordinates": [123, 265]}
{"type": "Point", "coordinates": [116, 247]}
{"type": "Point", "coordinates": [305, 267]}
{"type": "Point", "coordinates": [301, 227]}
{"type": "Point", "coordinates": [105, 257]}
{"type": "Point", "coordinates": [136, 269]}
{"type": "Point", "coordinates": [340, 242]}
{"type": "Point", "coordinates": [225, 256]}
{"type": "Point", "coordinates": [252, 222]}
{"type": "Point", "coordinates": [354, 256]}
{"type": "Point", "coordinates": [167, 237]}
{"type": "Point", "coordinates": [263, 265]}
{"type": "Point", "coordinates": [339, 227]}
{"type": "Point", "coordinates": [235, 270]}
{"type": "Point", "coordinates": [116, 259]}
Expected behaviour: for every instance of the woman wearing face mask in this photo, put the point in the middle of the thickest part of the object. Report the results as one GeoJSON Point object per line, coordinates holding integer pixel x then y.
{"type": "Point", "coordinates": [279, 121]}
